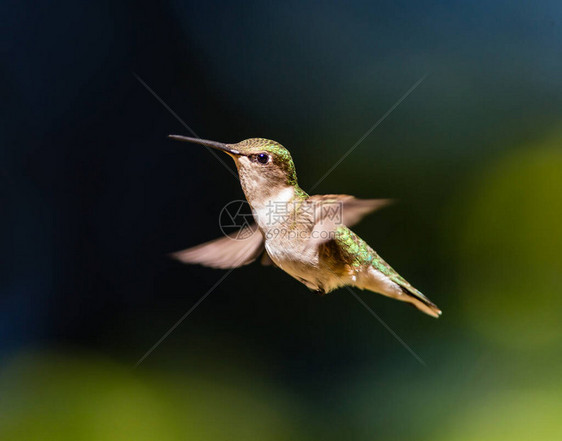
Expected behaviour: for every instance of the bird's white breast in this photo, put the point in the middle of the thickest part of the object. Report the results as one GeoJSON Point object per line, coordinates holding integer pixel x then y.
{"type": "Point", "coordinates": [269, 212]}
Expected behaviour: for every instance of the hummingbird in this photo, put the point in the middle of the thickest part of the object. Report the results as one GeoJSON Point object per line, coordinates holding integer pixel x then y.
{"type": "Point", "coordinates": [308, 237]}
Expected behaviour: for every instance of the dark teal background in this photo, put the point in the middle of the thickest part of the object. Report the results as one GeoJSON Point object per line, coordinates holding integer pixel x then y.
{"type": "Point", "coordinates": [93, 196]}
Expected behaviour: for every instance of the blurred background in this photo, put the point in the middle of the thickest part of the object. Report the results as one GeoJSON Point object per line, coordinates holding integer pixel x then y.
{"type": "Point", "coordinates": [93, 196]}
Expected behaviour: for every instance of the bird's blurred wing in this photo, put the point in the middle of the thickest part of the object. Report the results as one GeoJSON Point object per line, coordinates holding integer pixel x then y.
{"type": "Point", "coordinates": [236, 249]}
{"type": "Point", "coordinates": [345, 209]}
{"type": "Point", "coordinates": [334, 210]}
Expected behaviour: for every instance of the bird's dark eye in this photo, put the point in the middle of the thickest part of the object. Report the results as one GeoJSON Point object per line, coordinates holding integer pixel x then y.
{"type": "Point", "coordinates": [263, 158]}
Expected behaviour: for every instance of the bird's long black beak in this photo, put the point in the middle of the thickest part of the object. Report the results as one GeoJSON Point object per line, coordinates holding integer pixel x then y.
{"type": "Point", "coordinates": [213, 144]}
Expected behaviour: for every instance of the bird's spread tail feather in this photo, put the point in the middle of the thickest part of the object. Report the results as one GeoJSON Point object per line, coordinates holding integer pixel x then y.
{"type": "Point", "coordinates": [392, 285]}
{"type": "Point", "coordinates": [421, 302]}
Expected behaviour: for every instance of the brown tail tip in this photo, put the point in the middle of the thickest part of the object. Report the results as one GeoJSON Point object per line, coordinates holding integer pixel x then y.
{"type": "Point", "coordinates": [429, 309]}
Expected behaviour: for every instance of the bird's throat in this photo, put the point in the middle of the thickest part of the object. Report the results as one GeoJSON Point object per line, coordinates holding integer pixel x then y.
{"type": "Point", "coordinates": [270, 205]}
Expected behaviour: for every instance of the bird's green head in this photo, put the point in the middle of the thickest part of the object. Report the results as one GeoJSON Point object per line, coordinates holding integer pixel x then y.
{"type": "Point", "coordinates": [263, 157]}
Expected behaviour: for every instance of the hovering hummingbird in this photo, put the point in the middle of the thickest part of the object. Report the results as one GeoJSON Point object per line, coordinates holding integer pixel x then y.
{"type": "Point", "coordinates": [306, 236]}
